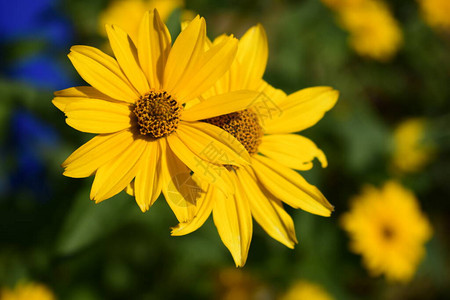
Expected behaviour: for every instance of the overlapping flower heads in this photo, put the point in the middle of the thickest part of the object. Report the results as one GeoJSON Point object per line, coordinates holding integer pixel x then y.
{"type": "Point", "coordinates": [196, 121]}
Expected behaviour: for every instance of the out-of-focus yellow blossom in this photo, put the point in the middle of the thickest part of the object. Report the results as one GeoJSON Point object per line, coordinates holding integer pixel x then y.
{"type": "Point", "coordinates": [411, 153]}
{"type": "Point", "coordinates": [305, 290]}
{"type": "Point", "coordinates": [27, 291]}
{"type": "Point", "coordinates": [374, 32]}
{"type": "Point", "coordinates": [436, 13]}
{"type": "Point", "coordinates": [387, 227]}
{"type": "Point", "coordinates": [127, 14]}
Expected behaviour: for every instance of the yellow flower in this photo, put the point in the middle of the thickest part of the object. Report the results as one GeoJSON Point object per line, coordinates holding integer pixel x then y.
{"type": "Point", "coordinates": [139, 107]}
{"type": "Point", "coordinates": [387, 227]}
{"type": "Point", "coordinates": [27, 291]}
{"type": "Point", "coordinates": [411, 153]}
{"type": "Point", "coordinates": [127, 13]}
{"type": "Point", "coordinates": [305, 290]}
{"type": "Point", "coordinates": [436, 13]}
{"type": "Point", "coordinates": [374, 32]}
{"type": "Point", "coordinates": [265, 129]}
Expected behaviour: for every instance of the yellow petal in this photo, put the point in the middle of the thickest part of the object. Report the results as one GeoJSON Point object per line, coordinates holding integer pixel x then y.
{"type": "Point", "coordinates": [203, 210]}
{"type": "Point", "coordinates": [153, 47]}
{"type": "Point", "coordinates": [252, 56]}
{"type": "Point", "coordinates": [98, 116]}
{"type": "Point", "coordinates": [213, 144]}
{"type": "Point", "coordinates": [186, 51]}
{"type": "Point", "coordinates": [291, 188]}
{"type": "Point", "coordinates": [179, 188]}
{"type": "Point", "coordinates": [302, 110]}
{"type": "Point", "coordinates": [233, 220]}
{"type": "Point", "coordinates": [126, 55]}
{"type": "Point", "coordinates": [130, 189]}
{"type": "Point", "coordinates": [95, 153]}
{"type": "Point", "coordinates": [221, 105]}
{"type": "Point", "coordinates": [206, 171]}
{"type": "Point", "coordinates": [66, 96]}
{"type": "Point", "coordinates": [267, 210]}
{"type": "Point", "coordinates": [292, 150]}
{"type": "Point", "coordinates": [147, 184]}
{"type": "Point", "coordinates": [203, 73]}
{"type": "Point", "coordinates": [102, 72]}
{"type": "Point", "coordinates": [114, 176]}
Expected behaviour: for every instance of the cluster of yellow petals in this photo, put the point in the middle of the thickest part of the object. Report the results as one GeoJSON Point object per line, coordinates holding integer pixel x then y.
{"type": "Point", "coordinates": [411, 150]}
{"type": "Point", "coordinates": [373, 31]}
{"type": "Point", "coordinates": [436, 13]}
{"type": "Point", "coordinates": [27, 291]}
{"type": "Point", "coordinates": [303, 289]}
{"type": "Point", "coordinates": [387, 227]}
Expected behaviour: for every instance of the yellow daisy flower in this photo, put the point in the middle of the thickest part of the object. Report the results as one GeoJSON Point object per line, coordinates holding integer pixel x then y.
{"type": "Point", "coordinates": [139, 107]}
{"type": "Point", "coordinates": [27, 291]}
{"type": "Point", "coordinates": [305, 290]}
{"type": "Point", "coordinates": [436, 13]}
{"type": "Point", "coordinates": [411, 152]}
{"type": "Point", "coordinates": [388, 229]}
{"type": "Point", "coordinates": [374, 32]}
{"type": "Point", "coordinates": [127, 13]}
{"type": "Point", "coordinates": [265, 129]}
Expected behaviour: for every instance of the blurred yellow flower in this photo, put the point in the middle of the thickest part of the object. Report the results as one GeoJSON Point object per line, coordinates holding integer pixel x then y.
{"type": "Point", "coordinates": [147, 140]}
{"type": "Point", "coordinates": [411, 153]}
{"type": "Point", "coordinates": [305, 290]}
{"type": "Point", "coordinates": [374, 32]}
{"type": "Point", "coordinates": [127, 13]}
{"type": "Point", "coordinates": [436, 13]}
{"type": "Point", "coordinates": [265, 128]}
{"type": "Point", "coordinates": [387, 227]}
{"type": "Point", "coordinates": [27, 291]}
{"type": "Point", "coordinates": [236, 284]}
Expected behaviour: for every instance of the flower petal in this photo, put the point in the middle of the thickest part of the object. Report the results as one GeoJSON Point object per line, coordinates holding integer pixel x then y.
{"type": "Point", "coordinates": [126, 55]}
{"type": "Point", "coordinates": [98, 116]}
{"type": "Point", "coordinates": [66, 96]}
{"type": "Point", "coordinates": [252, 55]}
{"type": "Point", "coordinates": [95, 153]}
{"type": "Point", "coordinates": [213, 144]}
{"type": "Point", "coordinates": [220, 105]}
{"type": "Point", "coordinates": [204, 73]}
{"type": "Point", "coordinates": [102, 72]}
{"type": "Point", "coordinates": [290, 187]}
{"type": "Point", "coordinates": [292, 150]}
{"type": "Point", "coordinates": [233, 219]}
{"type": "Point", "coordinates": [147, 184]}
{"type": "Point", "coordinates": [154, 45]}
{"type": "Point", "coordinates": [186, 51]}
{"type": "Point", "coordinates": [268, 211]}
{"type": "Point", "coordinates": [210, 173]}
{"type": "Point", "coordinates": [203, 211]}
{"type": "Point", "coordinates": [114, 176]}
{"type": "Point", "coordinates": [179, 188]}
{"type": "Point", "coordinates": [302, 110]}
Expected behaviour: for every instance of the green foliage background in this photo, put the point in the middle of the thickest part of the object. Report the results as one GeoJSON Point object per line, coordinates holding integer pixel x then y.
{"type": "Point", "coordinates": [113, 251]}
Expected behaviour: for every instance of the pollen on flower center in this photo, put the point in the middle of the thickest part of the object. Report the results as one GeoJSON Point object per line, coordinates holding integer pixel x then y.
{"type": "Point", "coordinates": [243, 125]}
{"type": "Point", "coordinates": [158, 114]}
{"type": "Point", "coordinates": [388, 233]}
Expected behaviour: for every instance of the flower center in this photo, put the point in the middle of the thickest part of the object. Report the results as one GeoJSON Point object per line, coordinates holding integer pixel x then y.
{"type": "Point", "coordinates": [243, 125]}
{"type": "Point", "coordinates": [158, 114]}
{"type": "Point", "coordinates": [388, 233]}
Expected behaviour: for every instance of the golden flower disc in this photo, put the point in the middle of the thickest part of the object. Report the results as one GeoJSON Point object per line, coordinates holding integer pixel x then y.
{"type": "Point", "coordinates": [244, 126]}
{"type": "Point", "coordinates": [158, 114]}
